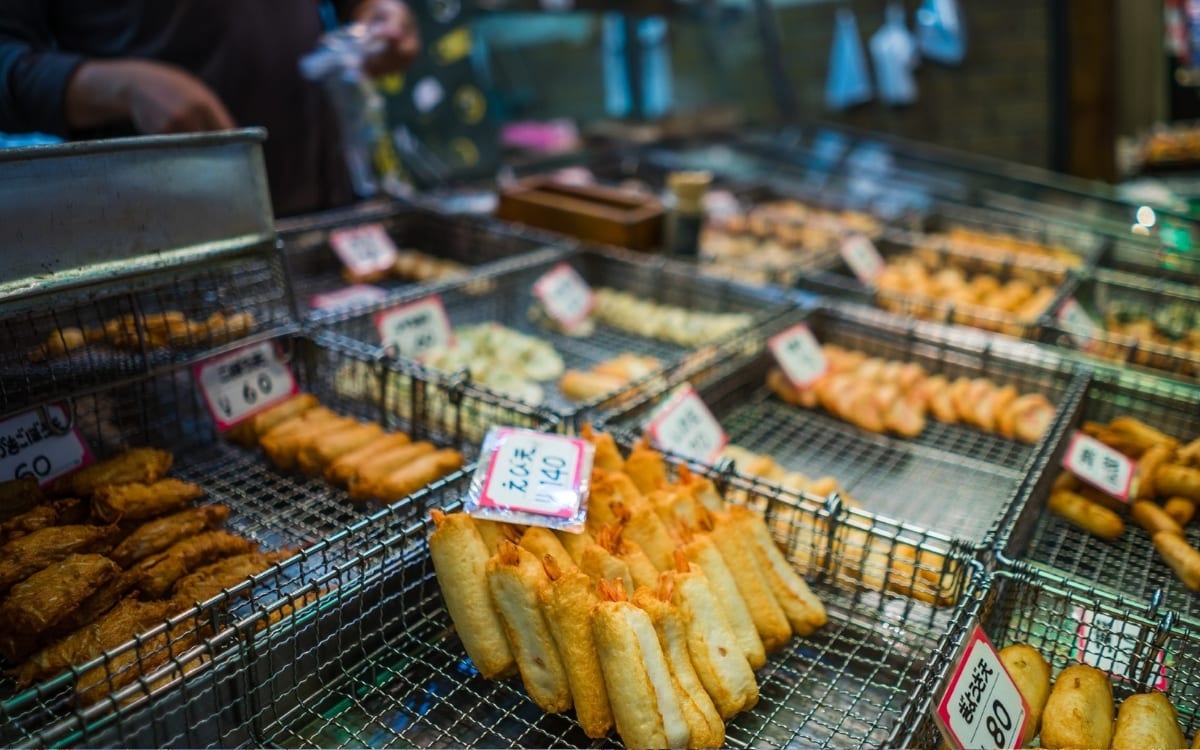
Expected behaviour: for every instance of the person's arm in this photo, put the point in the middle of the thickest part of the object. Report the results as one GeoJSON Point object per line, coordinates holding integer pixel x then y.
{"type": "Point", "coordinates": [33, 75]}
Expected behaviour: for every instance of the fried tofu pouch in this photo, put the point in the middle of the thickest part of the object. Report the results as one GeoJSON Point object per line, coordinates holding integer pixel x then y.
{"type": "Point", "coordinates": [1031, 674]}
{"type": "Point", "coordinates": [460, 562]}
{"type": "Point", "coordinates": [1079, 711]}
{"type": "Point", "coordinates": [1147, 720]}
{"type": "Point", "coordinates": [137, 501]}
{"type": "Point", "coordinates": [143, 465]}
{"type": "Point", "coordinates": [804, 610]}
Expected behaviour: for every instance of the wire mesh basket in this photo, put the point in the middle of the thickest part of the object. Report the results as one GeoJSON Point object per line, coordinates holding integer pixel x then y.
{"type": "Point", "coordinates": [1128, 565]}
{"type": "Point", "coordinates": [954, 479]}
{"type": "Point", "coordinates": [1140, 647]}
{"type": "Point", "coordinates": [1020, 237]}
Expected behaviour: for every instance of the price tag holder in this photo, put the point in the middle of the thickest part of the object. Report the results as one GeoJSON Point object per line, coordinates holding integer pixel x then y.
{"type": "Point", "coordinates": [29, 447]}
{"type": "Point", "coordinates": [365, 251]}
{"type": "Point", "coordinates": [799, 355]}
{"type": "Point", "coordinates": [239, 384]}
{"type": "Point", "coordinates": [565, 295]}
{"type": "Point", "coordinates": [355, 295]}
{"type": "Point", "coordinates": [685, 426]}
{"type": "Point", "coordinates": [1097, 464]}
{"type": "Point", "coordinates": [416, 327]}
{"type": "Point", "coordinates": [1108, 644]}
{"type": "Point", "coordinates": [1078, 324]}
{"type": "Point", "coordinates": [864, 260]}
{"type": "Point", "coordinates": [982, 706]}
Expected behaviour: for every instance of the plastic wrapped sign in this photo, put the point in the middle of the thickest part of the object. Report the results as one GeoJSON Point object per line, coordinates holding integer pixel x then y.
{"type": "Point", "coordinates": [849, 82]}
{"type": "Point", "coordinates": [894, 52]}
{"type": "Point", "coordinates": [940, 31]}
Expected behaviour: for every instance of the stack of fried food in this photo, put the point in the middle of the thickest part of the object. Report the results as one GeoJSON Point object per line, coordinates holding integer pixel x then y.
{"type": "Point", "coordinates": [607, 377]}
{"type": "Point", "coordinates": [894, 397]}
{"type": "Point", "coordinates": [1003, 247]}
{"type": "Point", "coordinates": [1163, 496]}
{"type": "Point", "coordinates": [653, 620]}
{"type": "Point", "coordinates": [166, 330]}
{"type": "Point", "coordinates": [300, 434]}
{"type": "Point", "coordinates": [671, 323]}
{"type": "Point", "coordinates": [1078, 710]}
{"type": "Point", "coordinates": [111, 551]}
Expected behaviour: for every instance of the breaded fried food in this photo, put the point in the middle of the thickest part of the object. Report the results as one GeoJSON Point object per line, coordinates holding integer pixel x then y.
{"type": "Point", "coordinates": [742, 560]}
{"type": "Point", "coordinates": [646, 467]}
{"type": "Point", "coordinates": [144, 465]}
{"type": "Point", "coordinates": [281, 442]}
{"type": "Point", "coordinates": [157, 574]}
{"type": "Point", "coordinates": [34, 605]}
{"type": "Point", "coordinates": [1147, 720]}
{"type": "Point", "coordinates": [249, 430]}
{"type": "Point", "coordinates": [804, 610]}
{"type": "Point", "coordinates": [25, 556]}
{"type": "Point", "coordinates": [424, 470]}
{"type": "Point", "coordinates": [373, 472]}
{"type": "Point", "coordinates": [574, 544]}
{"type": "Point", "coordinates": [342, 470]}
{"type": "Point", "coordinates": [314, 457]}
{"type": "Point", "coordinates": [703, 553]}
{"type": "Point", "coordinates": [494, 532]}
{"type": "Point", "coordinates": [1031, 674]}
{"type": "Point", "coordinates": [54, 513]}
{"type": "Point", "coordinates": [210, 580]}
{"type": "Point", "coordinates": [642, 572]}
{"type": "Point", "coordinates": [137, 501]}
{"type": "Point", "coordinates": [131, 663]}
{"type": "Point", "coordinates": [541, 542]}
{"type": "Point", "coordinates": [101, 601]}
{"type": "Point", "coordinates": [1079, 711]}
{"type": "Point", "coordinates": [601, 565]}
{"type": "Point", "coordinates": [646, 529]}
{"type": "Point", "coordinates": [607, 456]}
{"type": "Point", "coordinates": [157, 535]}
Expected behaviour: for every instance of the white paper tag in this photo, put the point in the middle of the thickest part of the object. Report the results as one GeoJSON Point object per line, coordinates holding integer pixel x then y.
{"type": "Point", "coordinates": [241, 383]}
{"type": "Point", "coordinates": [864, 260]}
{"type": "Point", "coordinates": [365, 250]}
{"type": "Point", "coordinates": [533, 472]}
{"type": "Point", "coordinates": [684, 426]}
{"type": "Point", "coordinates": [1108, 645]}
{"type": "Point", "coordinates": [416, 327]}
{"type": "Point", "coordinates": [565, 295]}
{"type": "Point", "coordinates": [31, 448]}
{"type": "Point", "coordinates": [355, 295]}
{"type": "Point", "coordinates": [1076, 322]}
{"type": "Point", "coordinates": [1103, 467]}
{"type": "Point", "coordinates": [982, 706]}
{"type": "Point", "coordinates": [799, 355]}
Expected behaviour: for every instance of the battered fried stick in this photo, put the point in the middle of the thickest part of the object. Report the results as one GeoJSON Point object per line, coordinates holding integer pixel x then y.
{"type": "Point", "coordinates": [541, 542]}
{"type": "Point", "coordinates": [645, 466]}
{"type": "Point", "coordinates": [282, 442]}
{"type": "Point", "coordinates": [314, 457]}
{"type": "Point", "coordinates": [211, 580]}
{"type": "Point", "coordinates": [412, 477]}
{"type": "Point", "coordinates": [641, 571]}
{"type": "Point", "coordinates": [137, 501]}
{"type": "Point", "coordinates": [143, 465]}
{"type": "Point", "coordinates": [248, 431]}
{"type": "Point", "coordinates": [703, 553]}
{"type": "Point", "coordinates": [54, 513]}
{"type": "Point", "coordinates": [607, 456]}
{"type": "Point", "coordinates": [49, 595]}
{"type": "Point", "coordinates": [740, 557]}
{"type": "Point", "coordinates": [157, 535]}
{"type": "Point", "coordinates": [342, 470]}
{"type": "Point", "coordinates": [23, 557]}
{"type": "Point", "coordinates": [645, 529]}
{"type": "Point", "coordinates": [367, 481]}
{"type": "Point", "coordinates": [131, 663]}
{"type": "Point", "coordinates": [804, 610]}
{"type": "Point", "coordinates": [157, 574]}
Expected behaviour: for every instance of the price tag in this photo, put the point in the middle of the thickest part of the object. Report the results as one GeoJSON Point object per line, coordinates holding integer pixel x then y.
{"type": "Point", "coordinates": [365, 250]}
{"type": "Point", "coordinates": [685, 426]}
{"type": "Point", "coordinates": [416, 327]}
{"type": "Point", "coordinates": [355, 295]}
{"type": "Point", "coordinates": [799, 355]}
{"type": "Point", "coordinates": [532, 472]}
{"type": "Point", "coordinates": [982, 707]}
{"type": "Point", "coordinates": [565, 295]}
{"type": "Point", "coordinates": [31, 448]}
{"type": "Point", "coordinates": [1076, 322]}
{"type": "Point", "coordinates": [1108, 645]}
{"type": "Point", "coordinates": [864, 260]}
{"type": "Point", "coordinates": [241, 383]}
{"type": "Point", "coordinates": [1097, 464]}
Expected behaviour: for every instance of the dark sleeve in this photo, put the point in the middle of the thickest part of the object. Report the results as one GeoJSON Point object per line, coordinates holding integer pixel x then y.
{"type": "Point", "coordinates": [345, 8]}
{"type": "Point", "coordinates": [33, 74]}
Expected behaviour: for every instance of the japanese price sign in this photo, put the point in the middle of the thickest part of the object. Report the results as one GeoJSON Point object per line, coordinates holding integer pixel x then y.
{"type": "Point", "coordinates": [365, 250]}
{"type": "Point", "coordinates": [799, 355]}
{"type": "Point", "coordinates": [565, 295]}
{"type": "Point", "coordinates": [29, 447]}
{"type": "Point", "coordinates": [415, 328]}
{"type": "Point", "coordinates": [1098, 465]}
{"type": "Point", "coordinates": [864, 260]}
{"type": "Point", "coordinates": [536, 473]}
{"type": "Point", "coordinates": [355, 295]}
{"type": "Point", "coordinates": [238, 384]}
{"type": "Point", "coordinates": [1076, 321]}
{"type": "Point", "coordinates": [982, 707]}
{"type": "Point", "coordinates": [685, 426]}
{"type": "Point", "coordinates": [1108, 644]}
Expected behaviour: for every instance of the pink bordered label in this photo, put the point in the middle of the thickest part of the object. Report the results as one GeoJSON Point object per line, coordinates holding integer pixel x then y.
{"type": "Point", "coordinates": [1106, 469]}
{"type": "Point", "coordinates": [416, 327]}
{"type": "Point", "coordinates": [799, 355]}
{"type": "Point", "coordinates": [982, 706]}
{"type": "Point", "coordinates": [365, 250]}
{"type": "Point", "coordinates": [244, 382]}
{"type": "Point", "coordinates": [864, 260]}
{"type": "Point", "coordinates": [533, 472]}
{"type": "Point", "coordinates": [355, 295]}
{"type": "Point", "coordinates": [685, 426]}
{"type": "Point", "coordinates": [42, 444]}
{"type": "Point", "coordinates": [1108, 644]}
{"type": "Point", "coordinates": [1078, 324]}
{"type": "Point", "coordinates": [565, 295]}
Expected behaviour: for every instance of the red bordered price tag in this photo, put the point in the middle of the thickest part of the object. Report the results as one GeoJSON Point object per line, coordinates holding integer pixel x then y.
{"type": "Point", "coordinates": [355, 295]}
{"type": "Point", "coordinates": [416, 327]}
{"type": "Point", "coordinates": [1108, 645]}
{"type": "Point", "coordinates": [365, 250]}
{"type": "Point", "coordinates": [1078, 324]}
{"type": "Point", "coordinates": [684, 426]}
{"type": "Point", "coordinates": [864, 260]}
{"type": "Point", "coordinates": [565, 295]}
{"type": "Point", "coordinates": [1097, 464]}
{"type": "Point", "coordinates": [982, 706]}
{"type": "Point", "coordinates": [535, 473]}
{"type": "Point", "coordinates": [799, 355]}
{"type": "Point", "coordinates": [243, 382]}
{"type": "Point", "coordinates": [31, 448]}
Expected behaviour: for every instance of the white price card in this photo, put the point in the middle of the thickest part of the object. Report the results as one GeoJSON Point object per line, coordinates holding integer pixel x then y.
{"type": "Point", "coordinates": [533, 472]}
{"type": "Point", "coordinates": [355, 295]}
{"type": "Point", "coordinates": [41, 444]}
{"type": "Point", "coordinates": [1108, 644]}
{"type": "Point", "coordinates": [684, 426]}
{"type": "Point", "coordinates": [243, 382]}
{"type": "Point", "coordinates": [1077, 323]}
{"type": "Point", "coordinates": [982, 707]}
{"type": "Point", "coordinates": [799, 355]}
{"type": "Point", "coordinates": [1103, 467]}
{"type": "Point", "coordinates": [365, 250]}
{"type": "Point", "coordinates": [565, 295]}
{"type": "Point", "coordinates": [864, 260]}
{"type": "Point", "coordinates": [416, 327]}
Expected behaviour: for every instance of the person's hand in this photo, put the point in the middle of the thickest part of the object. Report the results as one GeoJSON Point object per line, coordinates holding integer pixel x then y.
{"type": "Point", "coordinates": [393, 23]}
{"type": "Point", "coordinates": [156, 98]}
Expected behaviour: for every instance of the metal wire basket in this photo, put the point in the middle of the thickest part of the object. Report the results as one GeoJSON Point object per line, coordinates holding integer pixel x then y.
{"type": "Point", "coordinates": [953, 479]}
